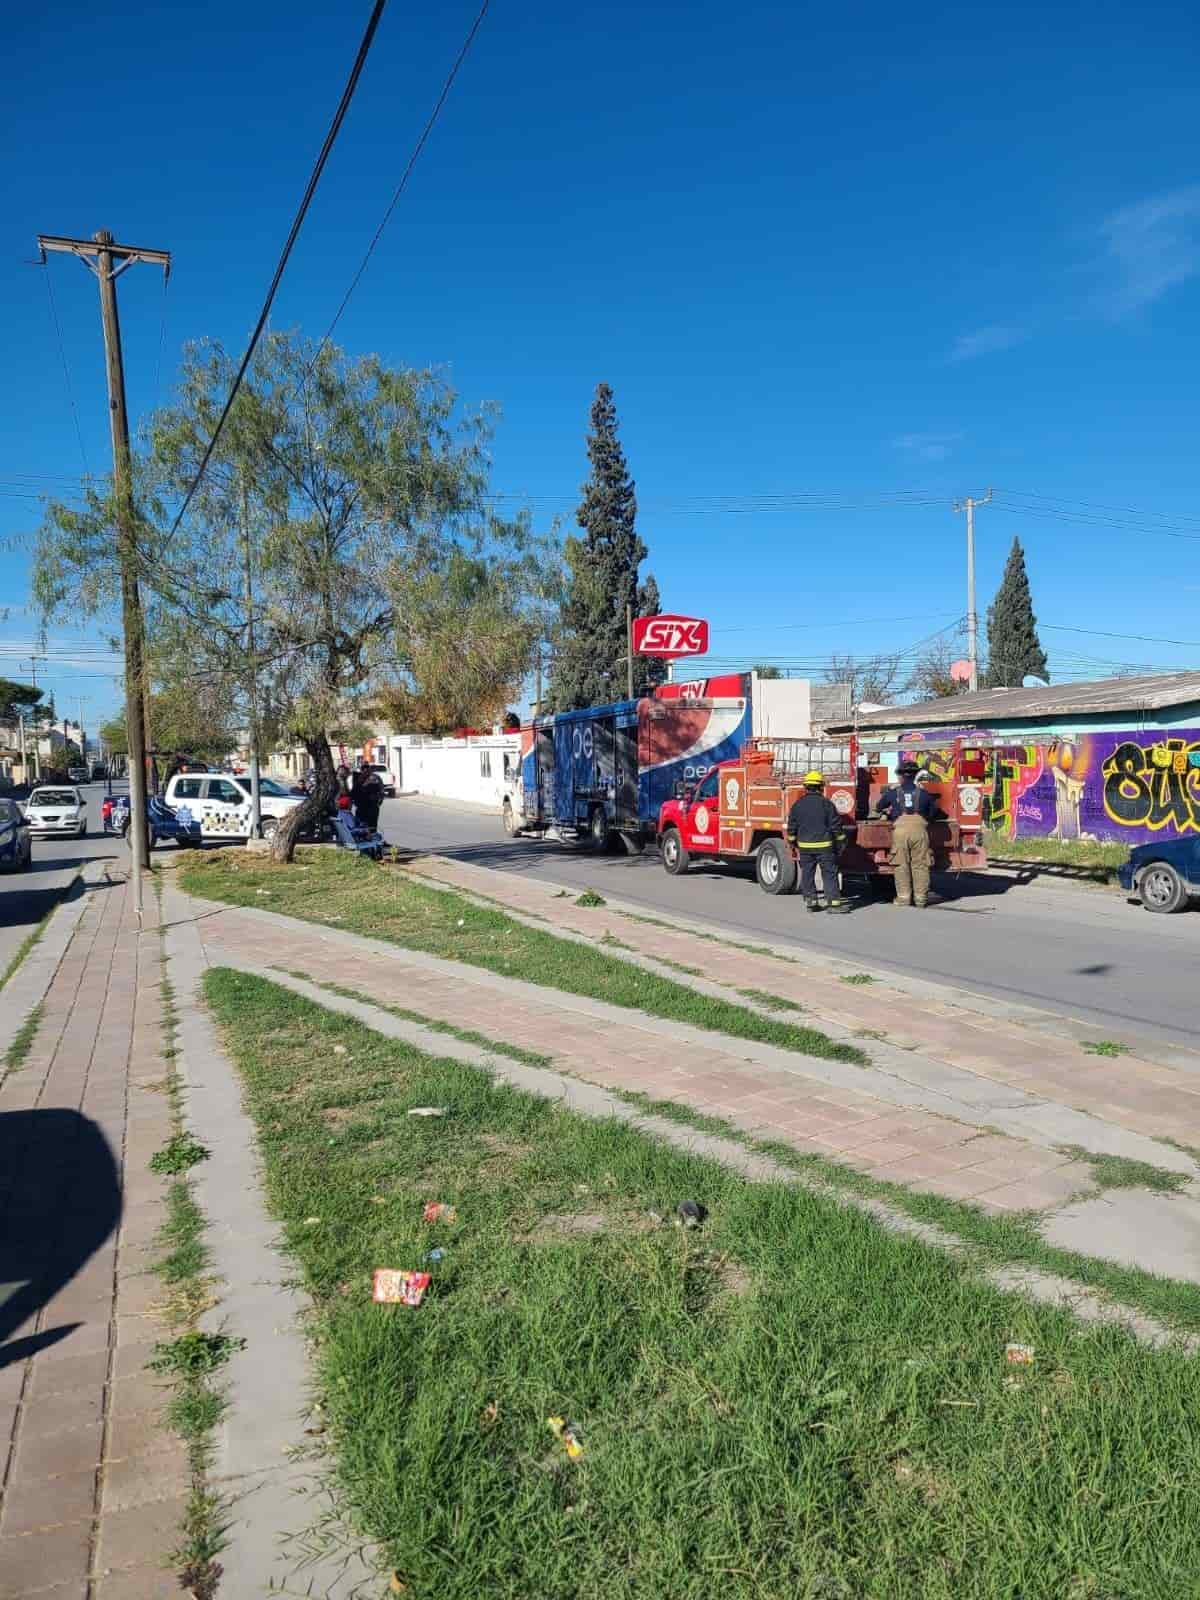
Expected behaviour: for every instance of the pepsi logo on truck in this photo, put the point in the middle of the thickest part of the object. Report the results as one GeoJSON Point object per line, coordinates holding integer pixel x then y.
{"type": "Point", "coordinates": [670, 636]}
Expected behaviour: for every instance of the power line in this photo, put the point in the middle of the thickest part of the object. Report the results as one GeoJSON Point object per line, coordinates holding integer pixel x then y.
{"type": "Point", "coordinates": [1140, 638]}
{"type": "Point", "coordinates": [62, 351]}
{"type": "Point", "coordinates": [293, 232]}
{"type": "Point", "coordinates": [407, 173]}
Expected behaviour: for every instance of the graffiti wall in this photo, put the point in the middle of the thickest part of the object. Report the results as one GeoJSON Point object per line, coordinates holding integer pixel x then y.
{"type": "Point", "coordinates": [1126, 787]}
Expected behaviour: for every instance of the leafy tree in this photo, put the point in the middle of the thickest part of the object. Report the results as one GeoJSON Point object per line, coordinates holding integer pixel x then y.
{"type": "Point", "coordinates": [589, 665]}
{"type": "Point", "coordinates": [1014, 649]}
{"type": "Point", "coordinates": [765, 671]}
{"type": "Point", "coordinates": [363, 494]}
{"type": "Point", "coordinates": [114, 738]}
{"type": "Point", "coordinates": [17, 699]}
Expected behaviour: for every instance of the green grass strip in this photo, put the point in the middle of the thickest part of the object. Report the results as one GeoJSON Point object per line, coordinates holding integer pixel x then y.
{"type": "Point", "coordinates": [22, 1040]}
{"type": "Point", "coordinates": [991, 1240]}
{"type": "Point", "coordinates": [788, 1401]}
{"type": "Point", "coordinates": [330, 887]}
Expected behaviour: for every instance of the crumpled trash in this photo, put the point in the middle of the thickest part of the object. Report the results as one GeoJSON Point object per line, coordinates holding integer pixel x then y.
{"type": "Point", "coordinates": [439, 1211]}
{"type": "Point", "coordinates": [1019, 1355]}
{"type": "Point", "coordinates": [563, 1428]}
{"type": "Point", "coordinates": [434, 1255]}
{"type": "Point", "coordinates": [428, 1111]}
{"type": "Point", "coordinates": [689, 1214]}
{"type": "Point", "coordinates": [390, 1286]}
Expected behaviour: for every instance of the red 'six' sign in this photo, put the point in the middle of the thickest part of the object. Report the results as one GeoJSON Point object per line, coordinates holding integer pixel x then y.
{"type": "Point", "coordinates": [670, 636]}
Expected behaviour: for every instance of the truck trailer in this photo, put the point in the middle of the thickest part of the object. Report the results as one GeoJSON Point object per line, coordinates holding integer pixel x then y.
{"type": "Point", "coordinates": [607, 770]}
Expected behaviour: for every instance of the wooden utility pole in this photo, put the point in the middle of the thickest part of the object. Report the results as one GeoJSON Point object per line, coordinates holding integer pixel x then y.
{"type": "Point", "coordinates": [108, 260]}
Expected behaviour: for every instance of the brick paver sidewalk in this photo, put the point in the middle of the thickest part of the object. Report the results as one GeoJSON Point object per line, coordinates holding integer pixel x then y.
{"type": "Point", "coordinates": [771, 1093]}
{"type": "Point", "coordinates": [92, 1485]}
{"type": "Point", "coordinates": [1144, 1096]}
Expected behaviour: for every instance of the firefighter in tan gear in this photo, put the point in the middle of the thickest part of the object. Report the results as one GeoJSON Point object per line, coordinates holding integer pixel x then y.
{"type": "Point", "coordinates": [814, 831]}
{"type": "Point", "coordinates": [910, 809]}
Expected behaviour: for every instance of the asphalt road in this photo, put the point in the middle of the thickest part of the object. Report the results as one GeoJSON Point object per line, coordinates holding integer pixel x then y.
{"type": "Point", "coordinates": [1085, 953]}
{"type": "Point", "coordinates": [25, 897]}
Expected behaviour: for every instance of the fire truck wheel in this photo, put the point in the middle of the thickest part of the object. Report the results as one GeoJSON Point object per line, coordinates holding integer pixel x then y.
{"type": "Point", "coordinates": [774, 867]}
{"type": "Point", "coordinates": [674, 856]}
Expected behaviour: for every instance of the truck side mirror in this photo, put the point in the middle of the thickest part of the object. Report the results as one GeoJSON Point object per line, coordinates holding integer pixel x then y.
{"type": "Point", "coordinates": [681, 789]}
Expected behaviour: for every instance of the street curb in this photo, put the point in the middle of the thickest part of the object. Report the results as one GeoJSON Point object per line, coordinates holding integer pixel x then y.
{"type": "Point", "coordinates": [30, 983]}
{"type": "Point", "coordinates": [1060, 1024]}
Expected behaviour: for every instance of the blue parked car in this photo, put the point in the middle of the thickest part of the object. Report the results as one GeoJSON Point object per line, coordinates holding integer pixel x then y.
{"type": "Point", "coordinates": [162, 822]}
{"type": "Point", "coordinates": [1165, 875]}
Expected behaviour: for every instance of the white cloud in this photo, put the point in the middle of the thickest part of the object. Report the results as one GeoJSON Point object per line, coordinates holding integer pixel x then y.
{"type": "Point", "coordinates": [927, 446]}
{"type": "Point", "coordinates": [986, 341]}
{"type": "Point", "coordinates": [1150, 248]}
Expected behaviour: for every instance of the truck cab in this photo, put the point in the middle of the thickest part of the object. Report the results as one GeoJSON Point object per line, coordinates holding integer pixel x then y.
{"type": "Point", "coordinates": [688, 823]}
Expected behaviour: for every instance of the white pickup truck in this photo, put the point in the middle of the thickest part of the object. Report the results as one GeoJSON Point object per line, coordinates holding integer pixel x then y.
{"type": "Point", "coordinates": [221, 802]}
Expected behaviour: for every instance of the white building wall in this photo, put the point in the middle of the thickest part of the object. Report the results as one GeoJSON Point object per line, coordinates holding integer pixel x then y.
{"type": "Point", "coordinates": [456, 769]}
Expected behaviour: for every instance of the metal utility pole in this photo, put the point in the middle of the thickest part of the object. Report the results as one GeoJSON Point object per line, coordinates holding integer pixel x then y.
{"type": "Point", "coordinates": [629, 651]}
{"type": "Point", "coordinates": [968, 505]}
{"type": "Point", "coordinates": [255, 794]}
{"type": "Point", "coordinates": [108, 260]}
{"type": "Point", "coordinates": [33, 724]}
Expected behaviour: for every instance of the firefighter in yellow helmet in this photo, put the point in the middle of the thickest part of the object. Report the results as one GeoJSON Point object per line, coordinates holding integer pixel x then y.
{"type": "Point", "coordinates": [814, 830]}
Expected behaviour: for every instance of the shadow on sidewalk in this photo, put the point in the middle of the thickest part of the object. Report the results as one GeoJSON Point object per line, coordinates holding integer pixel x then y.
{"type": "Point", "coordinates": [60, 1199]}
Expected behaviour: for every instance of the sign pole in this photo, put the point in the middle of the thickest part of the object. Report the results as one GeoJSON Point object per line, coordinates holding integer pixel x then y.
{"type": "Point", "coordinates": [629, 650]}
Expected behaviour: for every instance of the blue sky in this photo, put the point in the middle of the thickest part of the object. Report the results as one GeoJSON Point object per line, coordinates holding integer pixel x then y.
{"type": "Point", "coordinates": [839, 269]}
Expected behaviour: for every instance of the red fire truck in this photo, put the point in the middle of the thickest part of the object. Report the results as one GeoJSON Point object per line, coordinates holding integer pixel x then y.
{"type": "Point", "coordinates": [738, 812]}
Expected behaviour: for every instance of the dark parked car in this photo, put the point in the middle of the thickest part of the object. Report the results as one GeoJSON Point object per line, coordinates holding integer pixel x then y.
{"type": "Point", "coordinates": [15, 850]}
{"type": "Point", "coordinates": [1165, 876]}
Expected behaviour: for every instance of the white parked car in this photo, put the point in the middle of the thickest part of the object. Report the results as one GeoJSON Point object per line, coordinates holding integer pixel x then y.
{"type": "Point", "coordinates": [58, 808]}
{"type": "Point", "coordinates": [221, 802]}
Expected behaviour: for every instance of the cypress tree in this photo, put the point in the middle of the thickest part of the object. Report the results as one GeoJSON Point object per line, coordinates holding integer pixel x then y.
{"type": "Point", "coordinates": [589, 666]}
{"type": "Point", "coordinates": [1014, 649]}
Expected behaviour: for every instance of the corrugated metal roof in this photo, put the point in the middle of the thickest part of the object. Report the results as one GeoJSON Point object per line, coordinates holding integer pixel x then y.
{"type": "Point", "coordinates": [1150, 693]}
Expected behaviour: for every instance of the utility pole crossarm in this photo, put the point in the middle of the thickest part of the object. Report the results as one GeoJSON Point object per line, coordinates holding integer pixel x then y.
{"type": "Point", "coordinates": [88, 250]}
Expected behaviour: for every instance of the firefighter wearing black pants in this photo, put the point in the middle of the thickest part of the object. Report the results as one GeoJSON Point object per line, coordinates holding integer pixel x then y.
{"type": "Point", "coordinates": [814, 830]}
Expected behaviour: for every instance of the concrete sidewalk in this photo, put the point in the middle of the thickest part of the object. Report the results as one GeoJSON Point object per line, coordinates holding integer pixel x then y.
{"type": "Point", "coordinates": [92, 1484]}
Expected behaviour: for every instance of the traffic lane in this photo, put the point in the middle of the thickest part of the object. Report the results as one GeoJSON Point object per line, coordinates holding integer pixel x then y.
{"type": "Point", "coordinates": [25, 897]}
{"type": "Point", "coordinates": [1087, 954]}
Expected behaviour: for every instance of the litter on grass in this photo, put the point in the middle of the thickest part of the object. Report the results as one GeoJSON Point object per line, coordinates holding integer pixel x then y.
{"type": "Point", "coordinates": [439, 1211]}
{"type": "Point", "coordinates": [434, 1255]}
{"type": "Point", "coordinates": [395, 1288]}
{"type": "Point", "coordinates": [563, 1428]}
{"type": "Point", "coordinates": [428, 1111]}
{"type": "Point", "coordinates": [340, 1050]}
{"type": "Point", "coordinates": [1019, 1355]}
{"type": "Point", "coordinates": [689, 1214]}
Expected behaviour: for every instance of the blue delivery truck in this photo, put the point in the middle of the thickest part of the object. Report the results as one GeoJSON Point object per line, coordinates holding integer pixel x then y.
{"type": "Point", "coordinates": [606, 770]}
